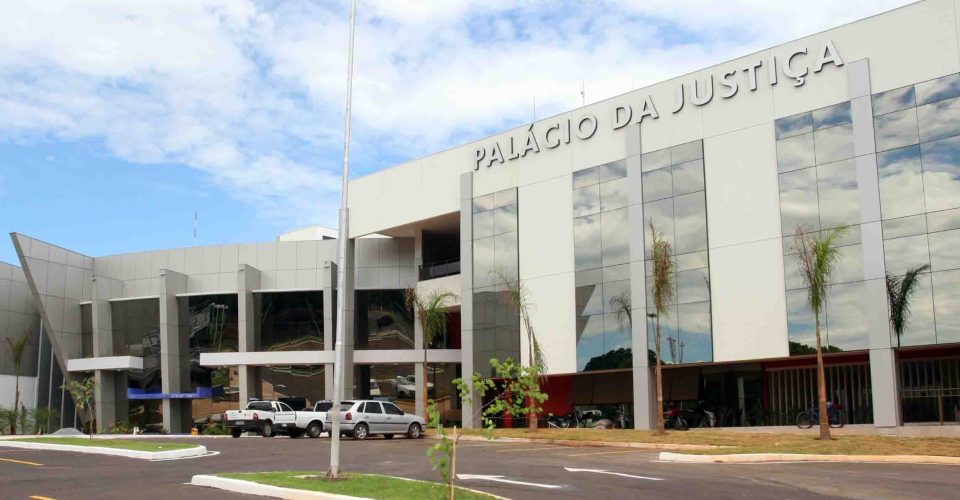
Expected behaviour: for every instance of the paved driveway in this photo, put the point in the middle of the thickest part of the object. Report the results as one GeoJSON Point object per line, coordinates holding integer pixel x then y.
{"type": "Point", "coordinates": [528, 471]}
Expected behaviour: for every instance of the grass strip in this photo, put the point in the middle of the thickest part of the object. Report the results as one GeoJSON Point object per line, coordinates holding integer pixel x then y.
{"type": "Point", "coordinates": [359, 485]}
{"type": "Point", "coordinates": [737, 442]}
{"type": "Point", "coordinates": [124, 444]}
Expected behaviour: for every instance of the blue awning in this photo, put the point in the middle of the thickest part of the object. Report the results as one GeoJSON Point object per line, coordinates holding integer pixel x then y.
{"type": "Point", "coordinates": [201, 393]}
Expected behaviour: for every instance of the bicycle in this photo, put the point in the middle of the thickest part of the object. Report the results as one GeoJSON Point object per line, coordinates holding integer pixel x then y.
{"type": "Point", "coordinates": [807, 418]}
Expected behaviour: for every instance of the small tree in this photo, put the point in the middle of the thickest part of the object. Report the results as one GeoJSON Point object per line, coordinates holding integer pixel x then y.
{"type": "Point", "coordinates": [17, 349]}
{"type": "Point", "coordinates": [899, 294]}
{"type": "Point", "coordinates": [512, 396]}
{"type": "Point", "coordinates": [519, 295]}
{"type": "Point", "coordinates": [431, 312]}
{"type": "Point", "coordinates": [83, 392]}
{"type": "Point", "coordinates": [42, 416]}
{"type": "Point", "coordinates": [817, 256]}
{"type": "Point", "coordinates": [663, 288]}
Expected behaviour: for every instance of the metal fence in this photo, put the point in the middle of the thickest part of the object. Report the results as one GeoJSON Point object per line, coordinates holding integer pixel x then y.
{"type": "Point", "coordinates": [930, 390]}
{"type": "Point", "coordinates": [792, 390]}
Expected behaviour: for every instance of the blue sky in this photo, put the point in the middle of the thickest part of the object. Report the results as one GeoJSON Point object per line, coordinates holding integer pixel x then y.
{"type": "Point", "coordinates": [119, 120]}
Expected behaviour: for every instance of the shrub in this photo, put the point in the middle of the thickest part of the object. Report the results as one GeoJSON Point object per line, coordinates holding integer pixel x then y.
{"type": "Point", "coordinates": [216, 429]}
{"type": "Point", "coordinates": [123, 427]}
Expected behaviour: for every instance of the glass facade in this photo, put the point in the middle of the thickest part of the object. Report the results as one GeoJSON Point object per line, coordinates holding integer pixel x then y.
{"type": "Point", "coordinates": [601, 247]}
{"type": "Point", "coordinates": [298, 386]}
{"type": "Point", "coordinates": [388, 382]}
{"type": "Point", "coordinates": [290, 321]}
{"type": "Point", "coordinates": [496, 321]}
{"type": "Point", "coordinates": [383, 320]}
{"type": "Point", "coordinates": [136, 332]}
{"type": "Point", "coordinates": [674, 201]}
{"type": "Point", "coordinates": [918, 161]}
{"type": "Point", "coordinates": [819, 191]}
{"type": "Point", "coordinates": [212, 327]}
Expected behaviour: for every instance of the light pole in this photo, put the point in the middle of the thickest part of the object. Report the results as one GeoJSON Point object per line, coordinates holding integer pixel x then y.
{"type": "Point", "coordinates": [342, 235]}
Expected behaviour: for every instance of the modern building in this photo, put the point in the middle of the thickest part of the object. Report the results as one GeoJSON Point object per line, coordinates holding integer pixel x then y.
{"type": "Point", "coordinates": [855, 127]}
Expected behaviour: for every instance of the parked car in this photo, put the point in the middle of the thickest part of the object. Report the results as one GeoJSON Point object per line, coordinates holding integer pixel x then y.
{"type": "Point", "coordinates": [268, 418]}
{"type": "Point", "coordinates": [364, 418]}
{"type": "Point", "coordinates": [407, 387]}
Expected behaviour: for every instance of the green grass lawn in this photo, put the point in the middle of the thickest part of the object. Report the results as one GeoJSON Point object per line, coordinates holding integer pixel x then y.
{"type": "Point", "coordinates": [126, 444]}
{"type": "Point", "coordinates": [737, 442]}
{"type": "Point", "coordinates": [359, 485]}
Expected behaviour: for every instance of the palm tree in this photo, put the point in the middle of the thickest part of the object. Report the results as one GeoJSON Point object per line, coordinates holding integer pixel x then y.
{"type": "Point", "coordinates": [899, 293]}
{"type": "Point", "coordinates": [817, 256]}
{"type": "Point", "coordinates": [17, 349]}
{"type": "Point", "coordinates": [519, 295]}
{"type": "Point", "coordinates": [431, 312]}
{"type": "Point", "coordinates": [663, 287]}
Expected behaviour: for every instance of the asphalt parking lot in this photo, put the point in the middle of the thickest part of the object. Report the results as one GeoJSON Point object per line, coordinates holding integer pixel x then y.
{"type": "Point", "coordinates": [520, 470]}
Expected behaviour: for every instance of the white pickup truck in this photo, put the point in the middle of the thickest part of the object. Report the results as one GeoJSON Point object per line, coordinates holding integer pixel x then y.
{"type": "Point", "coordinates": [268, 418]}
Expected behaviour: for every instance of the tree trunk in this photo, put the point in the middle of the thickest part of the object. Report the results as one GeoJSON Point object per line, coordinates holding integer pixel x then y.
{"type": "Point", "coordinates": [16, 405]}
{"type": "Point", "coordinates": [822, 388]}
{"type": "Point", "coordinates": [426, 384]}
{"type": "Point", "coordinates": [453, 466]}
{"type": "Point", "coordinates": [661, 429]}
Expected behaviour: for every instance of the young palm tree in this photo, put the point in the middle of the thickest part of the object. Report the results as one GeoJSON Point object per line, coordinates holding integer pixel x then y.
{"type": "Point", "coordinates": [519, 295]}
{"type": "Point", "coordinates": [899, 293]}
{"type": "Point", "coordinates": [17, 348]}
{"type": "Point", "coordinates": [663, 270]}
{"type": "Point", "coordinates": [431, 312]}
{"type": "Point", "coordinates": [817, 256]}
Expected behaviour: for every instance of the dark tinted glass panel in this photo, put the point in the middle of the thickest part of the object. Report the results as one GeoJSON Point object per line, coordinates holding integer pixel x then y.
{"type": "Point", "coordinates": [136, 332]}
{"type": "Point", "coordinates": [894, 100]}
{"type": "Point", "coordinates": [794, 125]}
{"type": "Point", "coordinates": [941, 174]}
{"type": "Point", "coordinates": [939, 89]}
{"type": "Point", "coordinates": [895, 130]}
{"type": "Point", "coordinates": [395, 383]}
{"type": "Point", "coordinates": [383, 320]}
{"type": "Point", "coordinates": [833, 144]}
{"type": "Point", "coordinates": [901, 182]}
{"type": "Point", "coordinates": [939, 120]}
{"type": "Point", "coordinates": [830, 116]}
{"type": "Point", "coordinates": [291, 321]}
{"type": "Point", "coordinates": [795, 153]}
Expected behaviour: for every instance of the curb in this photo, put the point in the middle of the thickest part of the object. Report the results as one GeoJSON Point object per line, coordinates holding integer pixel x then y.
{"type": "Point", "coordinates": [142, 455]}
{"type": "Point", "coordinates": [263, 490]}
{"type": "Point", "coordinates": [598, 444]}
{"type": "Point", "coordinates": [747, 458]}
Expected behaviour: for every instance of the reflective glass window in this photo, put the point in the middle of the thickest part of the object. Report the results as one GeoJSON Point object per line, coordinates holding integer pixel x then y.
{"type": "Point", "coordinates": [904, 226]}
{"type": "Point", "coordinates": [894, 100]}
{"type": "Point", "coordinates": [690, 223]}
{"type": "Point", "coordinates": [616, 273]}
{"type": "Point", "coordinates": [847, 317]}
{"type": "Point", "coordinates": [483, 203]}
{"type": "Point", "coordinates": [613, 170]}
{"type": "Point", "coordinates": [669, 334]}
{"type": "Point", "coordinates": [947, 305]}
{"type": "Point", "coordinates": [614, 240]}
{"type": "Point", "coordinates": [614, 294]}
{"type": "Point", "coordinates": [654, 160]}
{"type": "Point", "coordinates": [586, 177]}
{"type": "Point", "coordinates": [798, 201]}
{"type": "Point", "coordinates": [687, 177]}
{"type": "Point", "coordinates": [483, 224]}
{"type": "Point", "coordinates": [939, 120]}
{"type": "Point", "coordinates": [795, 153]}
{"type": "Point", "coordinates": [657, 184]}
{"type": "Point", "coordinates": [505, 197]}
{"type": "Point", "coordinates": [901, 182]}
{"type": "Point", "coordinates": [505, 219]}
{"type": "Point", "coordinates": [849, 265]}
{"type": "Point", "coordinates": [686, 152]}
{"type": "Point", "coordinates": [290, 321]}
{"type": "Point", "coordinates": [617, 342]}
{"type": "Point", "coordinates": [941, 174]}
{"type": "Point", "coordinates": [838, 114]}
{"type": "Point", "coordinates": [837, 191]}
{"type": "Point", "coordinates": [588, 277]}
{"type": "Point", "coordinates": [693, 286]}
{"type": "Point", "coordinates": [800, 323]}
{"type": "Point", "coordinates": [589, 339]}
{"type": "Point", "coordinates": [833, 144]}
{"type": "Point", "coordinates": [937, 90]}
{"type": "Point", "coordinates": [505, 254]}
{"type": "Point", "coordinates": [586, 200]}
{"type": "Point", "coordinates": [945, 250]}
{"type": "Point", "coordinates": [944, 220]}
{"type": "Point", "coordinates": [901, 254]}
{"type": "Point", "coordinates": [660, 214]}
{"type": "Point", "coordinates": [794, 125]}
{"type": "Point", "coordinates": [589, 300]}
{"type": "Point", "coordinates": [586, 236]}
{"type": "Point", "coordinates": [921, 329]}
{"type": "Point", "coordinates": [896, 130]}
{"type": "Point", "coordinates": [694, 341]}
{"type": "Point", "coordinates": [613, 194]}
{"type": "Point", "coordinates": [693, 260]}
{"type": "Point", "coordinates": [383, 320]}
{"type": "Point", "coordinates": [791, 272]}
{"type": "Point", "coordinates": [483, 262]}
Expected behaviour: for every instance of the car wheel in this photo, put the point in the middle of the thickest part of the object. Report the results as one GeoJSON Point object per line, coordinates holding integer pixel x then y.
{"type": "Point", "coordinates": [360, 432]}
{"type": "Point", "coordinates": [388, 436]}
{"type": "Point", "coordinates": [414, 432]}
{"type": "Point", "coordinates": [267, 430]}
{"type": "Point", "coordinates": [314, 429]}
{"type": "Point", "coordinates": [236, 432]}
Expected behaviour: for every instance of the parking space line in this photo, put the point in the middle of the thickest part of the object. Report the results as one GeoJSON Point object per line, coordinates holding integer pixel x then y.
{"type": "Point", "coordinates": [38, 497]}
{"type": "Point", "coordinates": [605, 453]}
{"type": "Point", "coordinates": [24, 462]}
{"type": "Point", "coordinates": [529, 449]}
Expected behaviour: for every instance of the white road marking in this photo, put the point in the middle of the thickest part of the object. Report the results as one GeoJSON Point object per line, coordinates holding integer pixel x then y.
{"type": "Point", "coordinates": [501, 479]}
{"type": "Point", "coordinates": [209, 454]}
{"type": "Point", "coordinates": [600, 471]}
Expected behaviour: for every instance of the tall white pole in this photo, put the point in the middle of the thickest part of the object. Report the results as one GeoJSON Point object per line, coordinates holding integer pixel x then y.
{"type": "Point", "coordinates": [342, 235]}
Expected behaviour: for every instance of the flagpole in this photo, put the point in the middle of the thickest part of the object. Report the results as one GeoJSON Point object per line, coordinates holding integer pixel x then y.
{"type": "Point", "coordinates": [342, 235]}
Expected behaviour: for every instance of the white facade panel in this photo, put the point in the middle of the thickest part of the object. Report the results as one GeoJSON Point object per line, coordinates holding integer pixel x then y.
{"type": "Point", "coordinates": [546, 228]}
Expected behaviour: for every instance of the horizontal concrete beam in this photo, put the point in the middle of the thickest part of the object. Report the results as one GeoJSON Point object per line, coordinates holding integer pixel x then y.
{"type": "Point", "coordinates": [266, 358]}
{"type": "Point", "coordinates": [105, 363]}
{"type": "Point", "coordinates": [372, 356]}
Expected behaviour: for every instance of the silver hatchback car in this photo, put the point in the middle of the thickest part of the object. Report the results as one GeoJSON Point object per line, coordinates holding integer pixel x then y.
{"type": "Point", "coordinates": [364, 418]}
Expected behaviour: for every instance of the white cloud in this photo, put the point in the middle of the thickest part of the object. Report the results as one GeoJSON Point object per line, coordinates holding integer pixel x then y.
{"type": "Point", "coordinates": [252, 93]}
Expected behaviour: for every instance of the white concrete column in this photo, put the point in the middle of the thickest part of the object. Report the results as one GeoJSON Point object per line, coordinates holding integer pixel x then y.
{"type": "Point", "coordinates": [248, 280]}
{"type": "Point", "coordinates": [349, 295]}
{"type": "Point", "coordinates": [472, 403]}
{"type": "Point", "coordinates": [105, 399]}
{"type": "Point", "coordinates": [174, 351]}
{"type": "Point", "coordinates": [329, 285]}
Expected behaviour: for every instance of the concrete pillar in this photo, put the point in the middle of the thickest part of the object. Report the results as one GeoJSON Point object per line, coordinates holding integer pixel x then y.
{"type": "Point", "coordinates": [883, 366]}
{"type": "Point", "coordinates": [329, 285]}
{"type": "Point", "coordinates": [349, 296]}
{"type": "Point", "coordinates": [105, 394]}
{"type": "Point", "coordinates": [248, 280]}
{"type": "Point", "coordinates": [420, 400]}
{"type": "Point", "coordinates": [471, 404]}
{"type": "Point", "coordinates": [644, 381]}
{"type": "Point", "coordinates": [174, 351]}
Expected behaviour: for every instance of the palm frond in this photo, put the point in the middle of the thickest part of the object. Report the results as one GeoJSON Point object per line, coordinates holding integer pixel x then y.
{"type": "Point", "coordinates": [663, 270]}
{"type": "Point", "coordinates": [900, 291]}
{"type": "Point", "coordinates": [621, 303]}
{"type": "Point", "coordinates": [817, 257]}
